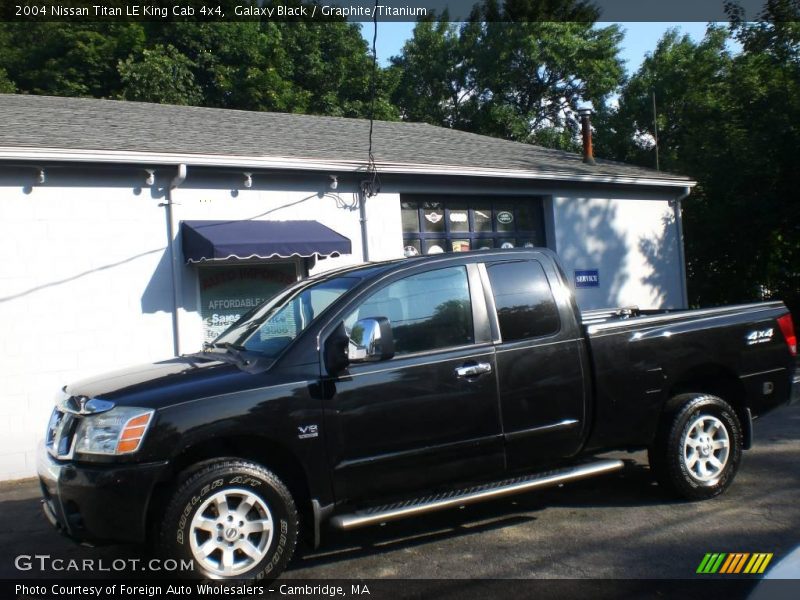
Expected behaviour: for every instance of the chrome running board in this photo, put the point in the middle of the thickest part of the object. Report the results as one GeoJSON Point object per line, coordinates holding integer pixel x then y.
{"type": "Point", "coordinates": [488, 491]}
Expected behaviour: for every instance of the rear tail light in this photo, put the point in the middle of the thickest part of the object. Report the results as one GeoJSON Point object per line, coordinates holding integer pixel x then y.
{"type": "Point", "coordinates": [787, 329]}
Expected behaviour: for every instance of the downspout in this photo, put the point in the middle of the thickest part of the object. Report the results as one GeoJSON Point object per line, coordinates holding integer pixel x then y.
{"type": "Point", "coordinates": [681, 255]}
{"type": "Point", "coordinates": [362, 214]}
{"type": "Point", "coordinates": [179, 178]}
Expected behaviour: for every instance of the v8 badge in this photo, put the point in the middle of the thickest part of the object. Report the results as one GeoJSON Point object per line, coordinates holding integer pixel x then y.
{"type": "Point", "coordinates": [307, 431]}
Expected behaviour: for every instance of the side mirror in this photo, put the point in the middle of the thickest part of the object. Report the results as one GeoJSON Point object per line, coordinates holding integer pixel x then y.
{"type": "Point", "coordinates": [335, 352]}
{"type": "Point", "coordinates": [371, 340]}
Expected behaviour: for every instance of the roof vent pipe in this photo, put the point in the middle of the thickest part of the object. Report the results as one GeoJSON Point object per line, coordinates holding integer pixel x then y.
{"type": "Point", "coordinates": [586, 130]}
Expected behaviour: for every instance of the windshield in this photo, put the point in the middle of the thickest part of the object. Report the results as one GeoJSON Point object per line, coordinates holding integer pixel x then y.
{"type": "Point", "coordinates": [271, 327]}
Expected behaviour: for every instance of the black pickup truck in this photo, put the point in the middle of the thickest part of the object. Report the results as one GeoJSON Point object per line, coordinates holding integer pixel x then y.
{"type": "Point", "coordinates": [386, 390]}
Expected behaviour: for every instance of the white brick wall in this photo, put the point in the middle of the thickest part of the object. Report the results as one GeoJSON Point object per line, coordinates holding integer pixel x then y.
{"type": "Point", "coordinates": [632, 239]}
{"type": "Point", "coordinates": [85, 283]}
{"type": "Point", "coordinates": [70, 298]}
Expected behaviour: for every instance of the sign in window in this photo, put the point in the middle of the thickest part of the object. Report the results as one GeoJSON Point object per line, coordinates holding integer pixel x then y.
{"type": "Point", "coordinates": [228, 292]}
{"type": "Point", "coordinates": [435, 224]}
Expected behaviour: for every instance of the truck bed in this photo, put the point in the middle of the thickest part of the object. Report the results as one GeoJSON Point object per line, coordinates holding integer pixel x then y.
{"type": "Point", "coordinates": [641, 358]}
{"type": "Point", "coordinates": [633, 316]}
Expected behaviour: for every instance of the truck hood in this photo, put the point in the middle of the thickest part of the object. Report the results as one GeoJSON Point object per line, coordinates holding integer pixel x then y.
{"type": "Point", "coordinates": [159, 383]}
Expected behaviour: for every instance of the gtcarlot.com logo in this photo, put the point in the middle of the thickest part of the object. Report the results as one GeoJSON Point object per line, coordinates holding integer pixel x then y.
{"type": "Point", "coordinates": [734, 563]}
{"type": "Point", "coordinates": [47, 563]}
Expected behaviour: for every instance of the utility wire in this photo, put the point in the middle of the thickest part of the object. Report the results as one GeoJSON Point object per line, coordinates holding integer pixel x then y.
{"type": "Point", "coordinates": [372, 185]}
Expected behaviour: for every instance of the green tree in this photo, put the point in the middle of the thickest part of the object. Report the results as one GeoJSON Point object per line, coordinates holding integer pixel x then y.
{"type": "Point", "coordinates": [235, 65]}
{"type": "Point", "coordinates": [434, 83]}
{"type": "Point", "coordinates": [332, 66]}
{"type": "Point", "coordinates": [506, 74]}
{"type": "Point", "coordinates": [535, 75]}
{"type": "Point", "coordinates": [732, 122]}
{"type": "Point", "coordinates": [6, 85]}
{"type": "Point", "coordinates": [690, 83]}
{"type": "Point", "coordinates": [306, 67]}
{"type": "Point", "coordinates": [79, 60]}
{"type": "Point", "coordinates": [161, 74]}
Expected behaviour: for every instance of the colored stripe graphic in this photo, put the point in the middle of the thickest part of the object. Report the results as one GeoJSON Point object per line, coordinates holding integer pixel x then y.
{"type": "Point", "coordinates": [734, 562]}
{"type": "Point", "coordinates": [703, 563]}
{"type": "Point", "coordinates": [758, 564]}
{"type": "Point", "coordinates": [741, 562]}
{"type": "Point", "coordinates": [711, 563]}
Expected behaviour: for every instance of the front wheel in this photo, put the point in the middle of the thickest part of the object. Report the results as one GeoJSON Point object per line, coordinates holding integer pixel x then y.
{"type": "Point", "coordinates": [234, 519]}
{"type": "Point", "coordinates": [698, 448]}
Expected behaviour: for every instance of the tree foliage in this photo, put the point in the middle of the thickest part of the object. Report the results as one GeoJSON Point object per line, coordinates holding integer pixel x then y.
{"type": "Point", "coordinates": [314, 68]}
{"type": "Point", "coordinates": [161, 74]}
{"type": "Point", "coordinates": [506, 74]}
{"type": "Point", "coordinates": [731, 120]}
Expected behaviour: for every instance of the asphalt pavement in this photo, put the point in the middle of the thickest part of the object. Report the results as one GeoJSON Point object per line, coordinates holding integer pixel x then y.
{"type": "Point", "coordinates": [618, 526]}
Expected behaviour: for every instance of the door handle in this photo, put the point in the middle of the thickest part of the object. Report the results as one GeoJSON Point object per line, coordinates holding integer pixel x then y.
{"type": "Point", "coordinates": [473, 370]}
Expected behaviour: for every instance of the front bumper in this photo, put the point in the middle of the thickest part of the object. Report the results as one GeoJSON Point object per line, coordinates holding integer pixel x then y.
{"type": "Point", "coordinates": [97, 504]}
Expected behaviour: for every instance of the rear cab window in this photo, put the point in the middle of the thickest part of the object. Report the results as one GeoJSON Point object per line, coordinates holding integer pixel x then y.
{"type": "Point", "coordinates": [526, 307]}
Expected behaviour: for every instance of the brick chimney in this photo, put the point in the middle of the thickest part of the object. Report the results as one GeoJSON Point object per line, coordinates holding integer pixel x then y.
{"type": "Point", "coordinates": [586, 130]}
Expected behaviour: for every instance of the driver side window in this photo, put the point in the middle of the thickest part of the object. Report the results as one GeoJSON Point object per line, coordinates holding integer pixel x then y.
{"type": "Point", "coordinates": [428, 311]}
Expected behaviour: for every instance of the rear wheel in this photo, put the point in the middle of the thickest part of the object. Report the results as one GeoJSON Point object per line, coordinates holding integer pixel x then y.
{"type": "Point", "coordinates": [698, 448]}
{"type": "Point", "coordinates": [233, 519]}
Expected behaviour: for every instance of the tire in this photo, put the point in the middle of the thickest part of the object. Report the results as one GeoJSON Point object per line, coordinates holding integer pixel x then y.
{"type": "Point", "coordinates": [234, 519]}
{"type": "Point", "coordinates": [698, 448]}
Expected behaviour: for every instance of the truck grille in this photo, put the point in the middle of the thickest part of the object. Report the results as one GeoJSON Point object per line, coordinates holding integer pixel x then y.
{"type": "Point", "coordinates": [60, 433]}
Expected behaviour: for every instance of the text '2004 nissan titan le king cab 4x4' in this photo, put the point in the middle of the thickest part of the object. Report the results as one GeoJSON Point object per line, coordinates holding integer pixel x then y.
{"type": "Point", "coordinates": [386, 390]}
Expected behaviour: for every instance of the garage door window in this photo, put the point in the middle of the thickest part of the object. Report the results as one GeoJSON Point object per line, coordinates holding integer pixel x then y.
{"type": "Point", "coordinates": [435, 224]}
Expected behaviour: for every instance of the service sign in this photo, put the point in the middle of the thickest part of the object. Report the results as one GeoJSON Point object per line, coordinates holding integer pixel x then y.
{"type": "Point", "coordinates": [587, 278]}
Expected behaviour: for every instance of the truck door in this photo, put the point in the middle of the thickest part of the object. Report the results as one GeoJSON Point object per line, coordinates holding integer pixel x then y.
{"type": "Point", "coordinates": [430, 414]}
{"type": "Point", "coordinates": [539, 364]}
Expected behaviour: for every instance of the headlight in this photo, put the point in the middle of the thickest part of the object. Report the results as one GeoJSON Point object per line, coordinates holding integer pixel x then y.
{"type": "Point", "coordinates": [118, 431]}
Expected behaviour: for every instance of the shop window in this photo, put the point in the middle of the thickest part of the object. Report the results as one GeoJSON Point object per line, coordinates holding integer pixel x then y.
{"type": "Point", "coordinates": [432, 225]}
{"type": "Point", "coordinates": [228, 292]}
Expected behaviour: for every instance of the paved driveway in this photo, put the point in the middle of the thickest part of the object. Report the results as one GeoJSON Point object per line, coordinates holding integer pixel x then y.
{"type": "Point", "coordinates": [617, 526]}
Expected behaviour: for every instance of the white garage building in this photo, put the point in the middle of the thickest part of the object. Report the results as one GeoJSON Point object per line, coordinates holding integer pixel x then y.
{"type": "Point", "coordinates": [132, 232]}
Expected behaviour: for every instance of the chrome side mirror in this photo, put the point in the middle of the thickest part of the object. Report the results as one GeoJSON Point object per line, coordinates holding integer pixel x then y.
{"type": "Point", "coordinates": [371, 340]}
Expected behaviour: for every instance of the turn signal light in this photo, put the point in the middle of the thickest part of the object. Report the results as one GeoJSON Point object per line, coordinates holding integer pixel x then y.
{"type": "Point", "coordinates": [787, 329]}
{"type": "Point", "coordinates": [132, 433]}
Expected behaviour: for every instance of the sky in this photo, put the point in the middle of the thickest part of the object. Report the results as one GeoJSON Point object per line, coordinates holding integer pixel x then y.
{"type": "Point", "coordinates": [640, 38]}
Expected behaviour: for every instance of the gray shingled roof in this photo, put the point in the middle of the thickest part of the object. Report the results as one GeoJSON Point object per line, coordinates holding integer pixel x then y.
{"type": "Point", "coordinates": [90, 124]}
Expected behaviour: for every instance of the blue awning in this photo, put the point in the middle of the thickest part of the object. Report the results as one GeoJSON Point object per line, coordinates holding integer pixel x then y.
{"type": "Point", "coordinates": [223, 240]}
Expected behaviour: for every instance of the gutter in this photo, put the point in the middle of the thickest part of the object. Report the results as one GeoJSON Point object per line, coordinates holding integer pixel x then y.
{"type": "Point", "coordinates": [676, 206]}
{"type": "Point", "coordinates": [40, 155]}
{"type": "Point", "coordinates": [179, 178]}
{"type": "Point", "coordinates": [362, 217]}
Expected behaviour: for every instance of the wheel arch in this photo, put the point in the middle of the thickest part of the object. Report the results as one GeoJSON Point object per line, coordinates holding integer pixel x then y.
{"type": "Point", "coordinates": [718, 381]}
{"type": "Point", "coordinates": [264, 451]}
